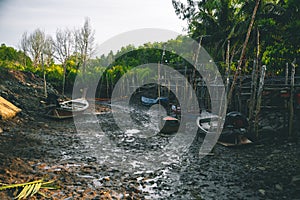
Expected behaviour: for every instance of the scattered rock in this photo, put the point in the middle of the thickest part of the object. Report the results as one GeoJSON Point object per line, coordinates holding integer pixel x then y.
{"type": "Point", "coordinates": [262, 192]}
{"type": "Point", "coordinates": [278, 187]}
{"type": "Point", "coordinates": [261, 168]}
{"type": "Point", "coordinates": [296, 180]}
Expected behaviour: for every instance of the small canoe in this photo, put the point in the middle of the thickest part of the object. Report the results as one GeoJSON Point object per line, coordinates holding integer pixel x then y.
{"type": "Point", "coordinates": [169, 125]}
{"type": "Point", "coordinates": [150, 101]}
{"type": "Point", "coordinates": [234, 130]}
{"type": "Point", "coordinates": [68, 109]}
{"type": "Point", "coordinates": [239, 141]}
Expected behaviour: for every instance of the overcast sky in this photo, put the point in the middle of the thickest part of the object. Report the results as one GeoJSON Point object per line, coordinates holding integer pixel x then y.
{"type": "Point", "coordinates": [108, 17]}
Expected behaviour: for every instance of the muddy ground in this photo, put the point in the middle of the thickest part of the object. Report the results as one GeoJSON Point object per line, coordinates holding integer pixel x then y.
{"type": "Point", "coordinates": [34, 147]}
{"type": "Point", "coordinates": [53, 150]}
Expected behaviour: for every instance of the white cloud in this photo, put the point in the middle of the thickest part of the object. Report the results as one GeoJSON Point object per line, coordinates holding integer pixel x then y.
{"type": "Point", "coordinates": [108, 17]}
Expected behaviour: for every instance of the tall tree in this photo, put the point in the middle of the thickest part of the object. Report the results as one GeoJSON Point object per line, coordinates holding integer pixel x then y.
{"type": "Point", "coordinates": [47, 58]}
{"type": "Point", "coordinates": [36, 42]}
{"type": "Point", "coordinates": [24, 46]}
{"type": "Point", "coordinates": [85, 44]}
{"type": "Point", "coordinates": [281, 25]}
{"type": "Point", "coordinates": [64, 48]}
{"type": "Point", "coordinates": [221, 20]}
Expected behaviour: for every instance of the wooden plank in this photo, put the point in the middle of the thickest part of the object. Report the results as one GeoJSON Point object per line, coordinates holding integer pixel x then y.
{"type": "Point", "coordinates": [7, 109]}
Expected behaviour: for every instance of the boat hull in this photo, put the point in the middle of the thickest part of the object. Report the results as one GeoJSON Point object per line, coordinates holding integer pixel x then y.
{"type": "Point", "coordinates": [57, 113]}
{"type": "Point", "coordinates": [150, 101]}
{"type": "Point", "coordinates": [68, 109]}
{"type": "Point", "coordinates": [234, 131]}
{"type": "Point", "coordinates": [169, 125]}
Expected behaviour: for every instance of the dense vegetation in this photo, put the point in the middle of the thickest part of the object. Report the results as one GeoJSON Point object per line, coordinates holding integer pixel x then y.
{"type": "Point", "coordinates": [219, 25]}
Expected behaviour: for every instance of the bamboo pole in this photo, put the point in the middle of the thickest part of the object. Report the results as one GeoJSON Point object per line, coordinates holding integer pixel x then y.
{"type": "Point", "coordinates": [243, 52]}
{"type": "Point", "coordinates": [259, 95]}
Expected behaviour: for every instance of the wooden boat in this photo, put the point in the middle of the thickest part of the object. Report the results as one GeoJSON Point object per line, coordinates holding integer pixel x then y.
{"type": "Point", "coordinates": [150, 101]}
{"type": "Point", "coordinates": [234, 129]}
{"type": "Point", "coordinates": [68, 109]}
{"type": "Point", "coordinates": [169, 125]}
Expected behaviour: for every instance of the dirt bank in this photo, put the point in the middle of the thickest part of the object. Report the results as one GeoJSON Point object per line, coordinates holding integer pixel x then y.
{"type": "Point", "coordinates": [31, 145]}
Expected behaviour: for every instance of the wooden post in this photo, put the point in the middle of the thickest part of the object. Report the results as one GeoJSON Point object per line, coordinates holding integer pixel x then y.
{"type": "Point", "coordinates": [158, 80]}
{"type": "Point", "coordinates": [254, 78]}
{"type": "Point", "coordinates": [286, 106]}
{"type": "Point", "coordinates": [259, 96]}
{"type": "Point", "coordinates": [44, 76]}
{"type": "Point", "coordinates": [253, 92]}
{"type": "Point", "coordinates": [286, 73]}
{"type": "Point", "coordinates": [291, 104]}
{"type": "Point", "coordinates": [228, 65]}
{"type": "Point", "coordinates": [84, 92]}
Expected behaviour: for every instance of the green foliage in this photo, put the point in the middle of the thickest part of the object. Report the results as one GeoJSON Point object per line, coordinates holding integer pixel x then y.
{"type": "Point", "coordinates": [213, 23]}
{"type": "Point", "coordinates": [277, 21]}
{"type": "Point", "coordinates": [13, 59]}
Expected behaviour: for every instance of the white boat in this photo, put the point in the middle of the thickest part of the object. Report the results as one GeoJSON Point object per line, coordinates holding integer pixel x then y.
{"type": "Point", "coordinates": [68, 109]}
{"type": "Point", "coordinates": [234, 129]}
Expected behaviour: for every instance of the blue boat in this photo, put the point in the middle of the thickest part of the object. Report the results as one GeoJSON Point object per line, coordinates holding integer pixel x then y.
{"type": "Point", "coordinates": [150, 101]}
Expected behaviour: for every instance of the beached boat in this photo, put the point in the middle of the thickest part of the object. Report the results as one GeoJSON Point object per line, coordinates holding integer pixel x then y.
{"type": "Point", "coordinates": [151, 101]}
{"type": "Point", "coordinates": [169, 125]}
{"type": "Point", "coordinates": [234, 130]}
{"type": "Point", "coordinates": [68, 109]}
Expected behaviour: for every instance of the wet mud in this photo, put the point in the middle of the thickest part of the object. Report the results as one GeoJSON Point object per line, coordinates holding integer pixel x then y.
{"type": "Point", "coordinates": [56, 150]}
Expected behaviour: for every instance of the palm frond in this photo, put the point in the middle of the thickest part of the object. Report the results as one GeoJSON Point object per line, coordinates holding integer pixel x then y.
{"type": "Point", "coordinates": [30, 188]}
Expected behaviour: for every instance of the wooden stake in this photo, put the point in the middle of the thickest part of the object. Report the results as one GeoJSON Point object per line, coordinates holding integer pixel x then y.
{"type": "Point", "coordinates": [228, 65]}
{"type": "Point", "coordinates": [285, 117]}
{"type": "Point", "coordinates": [255, 69]}
{"type": "Point", "coordinates": [44, 76]}
{"type": "Point", "coordinates": [286, 73]}
{"type": "Point", "coordinates": [292, 99]}
{"type": "Point", "coordinates": [259, 95]}
{"type": "Point", "coordinates": [253, 91]}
